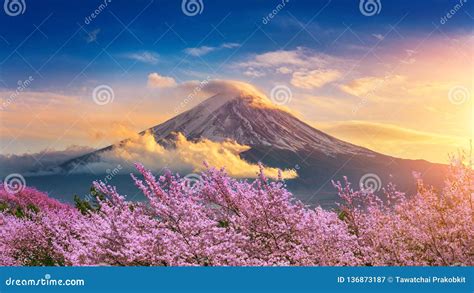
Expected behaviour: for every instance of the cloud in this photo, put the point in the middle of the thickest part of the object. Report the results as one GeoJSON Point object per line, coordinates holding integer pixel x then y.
{"type": "Point", "coordinates": [396, 140]}
{"type": "Point", "coordinates": [199, 51]}
{"type": "Point", "coordinates": [39, 163]}
{"type": "Point", "coordinates": [92, 36]}
{"type": "Point", "coordinates": [314, 79]}
{"type": "Point", "coordinates": [299, 58]}
{"type": "Point", "coordinates": [378, 36]}
{"type": "Point", "coordinates": [145, 57]}
{"type": "Point", "coordinates": [254, 73]}
{"type": "Point", "coordinates": [62, 120]}
{"type": "Point", "coordinates": [159, 81]}
{"type": "Point", "coordinates": [185, 156]}
{"type": "Point", "coordinates": [284, 70]}
{"type": "Point", "coordinates": [205, 88]}
{"type": "Point", "coordinates": [276, 58]}
{"type": "Point", "coordinates": [309, 69]}
{"type": "Point", "coordinates": [204, 50]}
{"type": "Point", "coordinates": [230, 89]}
{"type": "Point", "coordinates": [368, 86]}
{"type": "Point", "coordinates": [230, 45]}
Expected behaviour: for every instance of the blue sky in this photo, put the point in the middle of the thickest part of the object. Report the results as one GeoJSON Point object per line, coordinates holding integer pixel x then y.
{"type": "Point", "coordinates": [398, 81]}
{"type": "Point", "coordinates": [60, 49]}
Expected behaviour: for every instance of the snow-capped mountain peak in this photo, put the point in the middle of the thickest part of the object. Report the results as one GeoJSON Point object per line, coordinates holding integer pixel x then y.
{"type": "Point", "coordinates": [250, 118]}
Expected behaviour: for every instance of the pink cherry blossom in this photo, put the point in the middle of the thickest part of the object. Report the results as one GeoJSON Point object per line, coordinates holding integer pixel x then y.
{"type": "Point", "coordinates": [221, 221]}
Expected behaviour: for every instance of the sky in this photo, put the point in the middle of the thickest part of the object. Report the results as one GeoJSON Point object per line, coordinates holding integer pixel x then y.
{"type": "Point", "coordinates": [77, 75]}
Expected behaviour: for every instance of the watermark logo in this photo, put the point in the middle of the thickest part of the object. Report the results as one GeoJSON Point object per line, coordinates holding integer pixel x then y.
{"type": "Point", "coordinates": [14, 7]}
{"type": "Point", "coordinates": [202, 84]}
{"type": "Point", "coordinates": [268, 18]}
{"type": "Point", "coordinates": [458, 95]}
{"type": "Point", "coordinates": [22, 86]}
{"type": "Point", "coordinates": [14, 183]}
{"type": "Point", "coordinates": [46, 281]}
{"type": "Point", "coordinates": [191, 180]}
{"type": "Point", "coordinates": [370, 182]}
{"type": "Point", "coordinates": [111, 173]}
{"type": "Point", "coordinates": [103, 94]}
{"type": "Point", "coordinates": [370, 7]}
{"type": "Point", "coordinates": [444, 19]}
{"type": "Point", "coordinates": [281, 95]}
{"type": "Point", "coordinates": [88, 19]}
{"type": "Point", "coordinates": [192, 7]}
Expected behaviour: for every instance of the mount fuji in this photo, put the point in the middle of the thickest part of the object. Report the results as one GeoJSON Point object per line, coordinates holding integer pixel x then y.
{"type": "Point", "coordinates": [279, 139]}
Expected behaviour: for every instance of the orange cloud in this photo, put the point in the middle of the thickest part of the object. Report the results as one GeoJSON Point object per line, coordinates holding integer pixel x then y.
{"type": "Point", "coordinates": [397, 141]}
{"type": "Point", "coordinates": [314, 78]}
{"type": "Point", "coordinates": [158, 81]}
{"type": "Point", "coordinates": [369, 86]}
{"type": "Point", "coordinates": [186, 155]}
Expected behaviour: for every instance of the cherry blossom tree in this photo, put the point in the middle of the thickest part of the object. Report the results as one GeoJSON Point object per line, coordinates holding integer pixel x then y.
{"type": "Point", "coordinates": [221, 221]}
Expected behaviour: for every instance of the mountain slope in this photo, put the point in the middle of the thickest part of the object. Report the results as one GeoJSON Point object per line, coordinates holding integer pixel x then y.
{"type": "Point", "coordinates": [279, 139]}
{"type": "Point", "coordinates": [253, 121]}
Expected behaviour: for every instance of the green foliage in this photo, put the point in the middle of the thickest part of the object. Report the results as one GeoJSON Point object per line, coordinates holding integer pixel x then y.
{"type": "Point", "coordinates": [33, 208]}
{"type": "Point", "coordinates": [223, 224]}
{"type": "Point", "coordinates": [3, 206]}
{"type": "Point", "coordinates": [82, 205]}
{"type": "Point", "coordinates": [19, 212]}
{"type": "Point", "coordinates": [342, 215]}
{"type": "Point", "coordinates": [91, 204]}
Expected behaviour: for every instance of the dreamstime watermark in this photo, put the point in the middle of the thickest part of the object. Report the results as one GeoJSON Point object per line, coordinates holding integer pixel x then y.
{"type": "Point", "coordinates": [192, 7]}
{"type": "Point", "coordinates": [202, 84]}
{"type": "Point", "coordinates": [22, 86]}
{"type": "Point", "coordinates": [458, 95]}
{"type": "Point", "coordinates": [111, 173]}
{"type": "Point", "coordinates": [191, 180]}
{"type": "Point", "coordinates": [268, 18]}
{"type": "Point", "coordinates": [370, 7]}
{"type": "Point", "coordinates": [14, 7]}
{"type": "Point", "coordinates": [88, 19]}
{"type": "Point", "coordinates": [14, 183]}
{"type": "Point", "coordinates": [281, 95]}
{"type": "Point", "coordinates": [370, 182]}
{"type": "Point", "coordinates": [103, 95]}
{"type": "Point", "coordinates": [444, 19]}
{"type": "Point", "coordinates": [45, 281]}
